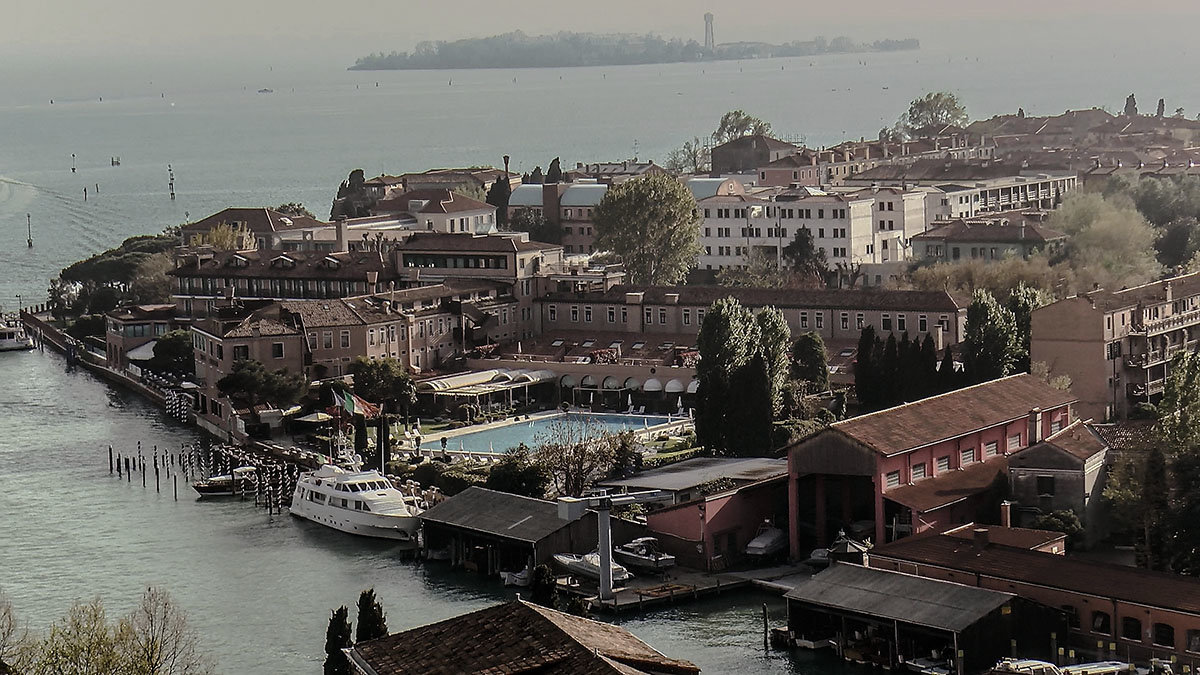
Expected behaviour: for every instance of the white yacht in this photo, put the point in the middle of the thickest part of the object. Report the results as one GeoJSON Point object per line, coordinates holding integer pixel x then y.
{"type": "Point", "coordinates": [13, 337]}
{"type": "Point", "coordinates": [358, 502]}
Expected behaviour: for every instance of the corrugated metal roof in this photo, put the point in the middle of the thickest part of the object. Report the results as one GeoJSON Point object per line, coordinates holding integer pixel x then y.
{"type": "Point", "coordinates": [583, 195]}
{"type": "Point", "coordinates": [526, 195]}
{"type": "Point", "coordinates": [900, 597]}
{"type": "Point", "coordinates": [499, 514]}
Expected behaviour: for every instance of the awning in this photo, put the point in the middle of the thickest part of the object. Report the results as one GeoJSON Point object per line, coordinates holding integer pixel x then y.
{"type": "Point", "coordinates": [652, 384]}
{"type": "Point", "coordinates": [460, 380]}
{"type": "Point", "coordinates": [693, 386]}
{"type": "Point", "coordinates": [611, 383]}
{"type": "Point", "coordinates": [142, 353]}
{"type": "Point", "coordinates": [315, 417]}
{"type": "Point", "coordinates": [674, 387]}
{"type": "Point", "coordinates": [567, 381]}
{"type": "Point", "coordinates": [589, 382]}
{"type": "Point", "coordinates": [632, 383]}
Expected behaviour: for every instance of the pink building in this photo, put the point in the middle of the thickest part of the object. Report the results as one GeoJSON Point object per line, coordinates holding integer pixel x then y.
{"type": "Point", "coordinates": [931, 463]}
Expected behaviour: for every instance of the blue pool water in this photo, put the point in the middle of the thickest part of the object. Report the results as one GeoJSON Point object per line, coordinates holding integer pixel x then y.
{"type": "Point", "coordinates": [499, 439]}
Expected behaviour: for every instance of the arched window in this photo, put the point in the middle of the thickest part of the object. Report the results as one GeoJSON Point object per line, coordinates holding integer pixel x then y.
{"type": "Point", "coordinates": [1101, 623]}
{"type": "Point", "coordinates": [1131, 629]}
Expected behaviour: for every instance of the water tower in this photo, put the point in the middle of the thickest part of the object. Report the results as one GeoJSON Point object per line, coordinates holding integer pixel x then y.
{"type": "Point", "coordinates": [709, 43]}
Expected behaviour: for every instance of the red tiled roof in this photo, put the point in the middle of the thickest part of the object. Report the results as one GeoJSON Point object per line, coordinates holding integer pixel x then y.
{"type": "Point", "coordinates": [930, 301]}
{"type": "Point", "coordinates": [1014, 231]}
{"type": "Point", "coordinates": [436, 201]}
{"type": "Point", "coordinates": [1077, 440]}
{"type": "Point", "coordinates": [954, 414]}
{"type": "Point", "coordinates": [1025, 538]}
{"type": "Point", "coordinates": [516, 637]}
{"type": "Point", "coordinates": [951, 487]}
{"type": "Point", "coordinates": [257, 220]}
{"type": "Point", "coordinates": [1155, 589]}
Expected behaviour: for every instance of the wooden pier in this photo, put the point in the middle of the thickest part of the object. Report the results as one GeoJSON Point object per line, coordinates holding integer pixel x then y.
{"type": "Point", "coordinates": [649, 591]}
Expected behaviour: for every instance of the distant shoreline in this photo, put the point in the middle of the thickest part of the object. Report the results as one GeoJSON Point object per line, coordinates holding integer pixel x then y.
{"type": "Point", "coordinates": [582, 50]}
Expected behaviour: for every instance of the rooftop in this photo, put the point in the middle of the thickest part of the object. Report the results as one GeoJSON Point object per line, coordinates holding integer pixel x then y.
{"type": "Point", "coordinates": [431, 201]}
{"type": "Point", "coordinates": [347, 266]}
{"type": "Point", "coordinates": [899, 597]}
{"type": "Point", "coordinates": [493, 243]}
{"type": "Point", "coordinates": [258, 219]}
{"type": "Point", "coordinates": [692, 472]}
{"type": "Point", "coordinates": [500, 514]}
{"type": "Point", "coordinates": [960, 412]}
{"type": "Point", "coordinates": [1153, 293]}
{"type": "Point", "coordinates": [931, 301]}
{"type": "Point", "coordinates": [1077, 440]}
{"type": "Point", "coordinates": [142, 312]}
{"type": "Point", "coordinates": [1102, 580]}
{"type": "Point", "coordinates": [1016, 537]}
{"type": "Point", "coordinates": [1014, 231]}
{"type": "Point", "coordinates": [515, 637]}
{"type": "Point", "coordinates": [755, 139]}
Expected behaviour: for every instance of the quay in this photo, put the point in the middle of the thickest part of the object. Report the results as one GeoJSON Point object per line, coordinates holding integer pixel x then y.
{"type": "Point", "coordinates": [653, 591]}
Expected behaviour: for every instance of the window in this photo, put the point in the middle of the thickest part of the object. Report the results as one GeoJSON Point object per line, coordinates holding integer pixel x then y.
{"type": "Point", "coordinates": [277, 350]}
{"type": "Point", "coordinates": [241, 353]}
{"type": "Point", "coordinates": [918, 471]}
{"type": "Point", "coordinates": [552, 313]}
{"type": "Point", "coordinates": [1101, 623]}
{"type": "Point", "coordinates": [1193, 640]}
{"type": "Point", "coordinates": [901, 323]}
{"type": "Point", "coordinates": [922, 323]}
{"type": "Point", "coordinates": [327, 339]}
{"type": "Point", "coordinates": [892, 479]}
{"type": "Point", "coordinates": [943, 464]}
{"type": "Point", "coordinates": [845, 321]}
{"type": "Point", "coordinates": [587, 314]}
{"type": "Point", "coordinates": [966, 457]}
{"type": "Point", "coordinates": [1164, 635]}
{"type": "Point", "coordinates": [662, 316]}
{"type": "Point", "coordinates": [819, 317]}
{"type": "Point", "coordinates": [859, 321]}
{"type": "Point", "coordinates": [1045, 486]}
{"type": "Point", "coordinates": [1131, 629]}
{"type": "Point", "coordinates": [648, 315]}
{"type": "Point", "coordinates": [345, 339]}
{"type": "Point", "coordinates": [886, 321]}
{"type": "Point", "coordinates": [804, 319]}
{"type": "Point", "coordinates": [1072, 615]}
{"type": "Point", "coordinates": [574, 314]}
{"type": "Point", "coordinates": [687, 317]}
{"type": "Point", "coordinates": [1014, 442]}
{"type": "Point", "coordinates": [370, 337]}
{"type": "Point", "coordinates": [625, 315]}
{"type": "Point", "coordinates": [991, 448]}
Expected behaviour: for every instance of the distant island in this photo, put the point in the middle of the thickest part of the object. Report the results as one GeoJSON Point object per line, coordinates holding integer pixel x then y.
{"type": "Point", "coordinates": [566, 50]}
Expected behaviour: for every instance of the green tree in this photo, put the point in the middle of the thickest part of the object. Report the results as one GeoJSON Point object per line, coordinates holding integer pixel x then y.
{"type": "Point", "coordinates": [934, 109]}
{"type": "Point", "coordinates": [1065, 521]}
{"type": "Point", "coordinates": [295, 209]}
{"type": "Point", "coordinates": [736, 123]}
{"type": "Point", "coordinates": [1131, 109]}
{"type": "Point", "coordinates": [226, 237]}
{"type": "Point", "coordinates": [749, 410]}
{"type": "Point", "coordinates": [760, 271]}
{"type": "Point", "coordinates": [498, 196]}
{"type": "Point", "coordinates": [372, 622]}
{"type": "Point", "coordinates": [576, 451]}
{"type": "Point", "coordinates": [868, 381]}
{"type": "Point", "coordinates": [337, 638]}
{"type": "Point", "coordinates": [810, 361]}
{"type": "Point", "coordinates": [538, 227]}
{"type": "Point", "coordinates": [384, 380]}
{"type": "Point", "coordinates": [151, 284]}
{"type": "Point", "coordinates": [989, 347]}
{"type": "Point", "coordinates": [554, 174]}
{"type": "Point", "coordinates": [251, 380]}
{"type": "Point", "coordinates": [542, 587]}
{"type": "Point", "coordinates": [1021, 302]}
{"type": "Point", "coordinates": [652, 224]}
{"type": "Point", "coordinates": [536, 177]}
{"type": "Point", "coordinates": [627, 455]}
{"type": "Point", "coordinates": [517, 474]}
{"type": "Point", "coordinates": [774, 340]}
{"type": "Point", "coordinates": [805, 257]}
{"type": "Point", "coordinates": [174, 353]}
{"type": "Point", "coordinates": [727, 340]}
{"type": "Point", "coordinates": [1162, 109]}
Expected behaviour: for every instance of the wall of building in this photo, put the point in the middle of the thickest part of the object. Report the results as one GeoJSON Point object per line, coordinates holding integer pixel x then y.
{"type": "Point", "coordinates": [1068, 336]}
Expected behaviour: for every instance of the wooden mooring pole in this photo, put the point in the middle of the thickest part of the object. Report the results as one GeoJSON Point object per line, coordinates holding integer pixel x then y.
{"type": "Point", "coordinates": [766, 630]}
{"type": "Point", "coordinates": [110, 460]}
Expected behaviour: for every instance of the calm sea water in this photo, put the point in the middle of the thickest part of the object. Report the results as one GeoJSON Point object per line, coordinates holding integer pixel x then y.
{"type": "Point", "coordinates": [260, 588]}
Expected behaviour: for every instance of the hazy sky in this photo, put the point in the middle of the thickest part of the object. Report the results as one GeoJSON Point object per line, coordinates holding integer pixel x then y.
{"type": "Point", "coordinates": [311, 30]}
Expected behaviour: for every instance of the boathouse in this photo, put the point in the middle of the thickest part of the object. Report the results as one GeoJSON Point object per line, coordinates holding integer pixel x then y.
{"type": "Point", "coordinates": [888, 619]}
{"type": "Point", "coordinates": [489, 532]}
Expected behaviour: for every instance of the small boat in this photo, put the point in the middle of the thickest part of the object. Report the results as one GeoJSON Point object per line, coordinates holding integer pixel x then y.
{"type": "Point", "coordinates": [13, 337]}
{"type": "Point", "coordinates": [643, 553]}
{"type": "Point", "coordinates": [266, 91]}
{"type": "Point", "coordinates": [589, 566]}
{"type": "Point", "coordinates": [521, 578]}
{"type": "Point", "coordinates": [768, 541]}
{"type": "Point", "coordinates": [242, 480]}
{"type": "Point", "coordinates": [819, 558]}
{"type": "Point", "coordinates": [357, 502]}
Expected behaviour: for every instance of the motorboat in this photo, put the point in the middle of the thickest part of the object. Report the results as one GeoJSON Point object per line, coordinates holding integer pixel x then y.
{"type": "Point", "coordinates": [240, 481]}
{"type": "Point", "coordinates": [818, 559]}
{"type": "Point", "coordinates": [643, 553]}
{"type": "Point", "coordinates": [521, 578]}
{"type": "Point", "coordinates": [13, 337]}
{"type": "Point", "coordinates": [1035, 667]}
{"type": "Point", "coordinates": [357, 502]}
{"type": "Point", "coordinates": [768, 541]}
{"type": "Point", "coordinates": [589, 566]}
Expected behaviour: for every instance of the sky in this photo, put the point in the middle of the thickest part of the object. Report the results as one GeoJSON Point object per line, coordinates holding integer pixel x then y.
{"type": "Point", "coordinates": [315, 31]}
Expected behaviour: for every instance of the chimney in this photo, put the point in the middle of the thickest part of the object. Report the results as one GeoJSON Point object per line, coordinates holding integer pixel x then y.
{"type": "Point", "coordinates": [1035, 426]}
{"type": "Point", "coordinates": [1006, 513]}
{"type": "Point", "coordinates": [979, 537]}
{"type": "Point", "coordinates": [342, 234]}
{"type": "Point", "coordinates": [1168, 291]}
{"type": "Point", "coordinates": [256, 331]}
{"type": "Point", "coordinates": [551, 197]}
{"type": "Point", "coordinates": [372, 280]}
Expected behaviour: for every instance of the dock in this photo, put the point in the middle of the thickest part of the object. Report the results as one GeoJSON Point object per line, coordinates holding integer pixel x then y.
{"type": "Point", "coordinates": [649, 591]}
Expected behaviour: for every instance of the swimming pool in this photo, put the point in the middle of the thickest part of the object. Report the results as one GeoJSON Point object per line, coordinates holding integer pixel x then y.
{"type": "Point", "coordinates": [501, 438]}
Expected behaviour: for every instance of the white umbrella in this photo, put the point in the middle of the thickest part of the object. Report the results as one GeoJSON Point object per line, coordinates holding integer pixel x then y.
{"type": "Point", "coordinates": [315, 417]}
{"type": "Point", "coordinates": [629, 400]}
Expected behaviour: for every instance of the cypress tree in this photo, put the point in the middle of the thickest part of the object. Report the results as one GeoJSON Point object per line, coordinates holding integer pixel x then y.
{"type": "Point", "coordinates": [554, 172]}
{"type": "Point", "coordinates": [890, 367]}
{"type": "Point", "coordinates": [928, 367]}
{"type": "Point", "coordinates": [337, 637]}
{"type": "Point", "coordinates": [947, 378]}
{"type": "Point", "coordinates": [865, 370]}
{"type": "Point", "coordinates": [498, 196]}
{"type": "Point", "coordinates": [536, 177]}
{"type": "Point", "coordinates": [372, 622]}
{"type": "Point", "coordinates": [1155, 496]}
{"type": "Point", "coordinates": [750, 417]}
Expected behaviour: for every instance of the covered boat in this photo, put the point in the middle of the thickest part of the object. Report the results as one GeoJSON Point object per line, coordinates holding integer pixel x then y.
{"type": "Point", "coordinates": [589, 566]}
{"type": "Point", "coordinates": [643, 553]}
{"type": "Point", "coordinates": [242, 480]}
{"type": "Point", "coordinates": [768, 541]}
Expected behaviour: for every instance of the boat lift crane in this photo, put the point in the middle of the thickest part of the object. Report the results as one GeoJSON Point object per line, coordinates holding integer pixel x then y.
{"type": "Point", "coordinates": [572, 508]}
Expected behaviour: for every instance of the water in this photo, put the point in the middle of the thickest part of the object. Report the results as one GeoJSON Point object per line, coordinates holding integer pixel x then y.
{"type": "Point", "coordinates": [260, 588]}
{"type": "Point", "coordinates": [499, 439]}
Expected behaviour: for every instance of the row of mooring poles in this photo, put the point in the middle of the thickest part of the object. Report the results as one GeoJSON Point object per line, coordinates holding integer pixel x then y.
{"type": "Point", "coordinates": [275, 480]}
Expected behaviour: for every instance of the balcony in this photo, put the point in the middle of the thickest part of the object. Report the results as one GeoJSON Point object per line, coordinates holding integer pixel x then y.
{"type": "Point", "coordinates": [1138, 391]}
{"type": "Point", "coordinates": [1159, 326]}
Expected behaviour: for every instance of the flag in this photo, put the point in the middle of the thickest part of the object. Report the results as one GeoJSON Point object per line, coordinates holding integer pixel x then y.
{"type": "Point", "coordinates": [353, 405]}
